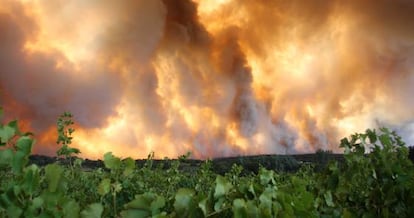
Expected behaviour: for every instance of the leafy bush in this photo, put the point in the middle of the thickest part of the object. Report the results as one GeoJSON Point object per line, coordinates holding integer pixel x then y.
{"type": "Point", "coordinates": [375, 180]}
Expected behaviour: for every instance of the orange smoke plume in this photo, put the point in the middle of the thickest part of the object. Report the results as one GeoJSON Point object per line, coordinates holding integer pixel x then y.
{"type": "Point", "coordinates": [214, 77]}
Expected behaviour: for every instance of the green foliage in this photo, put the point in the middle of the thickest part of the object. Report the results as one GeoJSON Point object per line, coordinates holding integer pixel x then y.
{"type": "Point", "coordinates": [376, 179]}
{"type": "Point", "coordinates": [30, 191]}
{"type": "Point", "coordinates": [65, 131]}
{"type": "Point", "coordinates": [144, 205]}
{"type": "Point", "coordinates": [93, 211]}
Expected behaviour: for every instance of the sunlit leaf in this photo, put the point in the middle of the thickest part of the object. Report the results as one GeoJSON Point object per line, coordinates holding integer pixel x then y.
{"type": "Point", "coordinates": [183, 199]}
{"type": "Point", "coordinates": [6, 133]}
{"type": "Point", "coordinates": [104, 187]}
{"type": "Point", "coordinates": [37, 202]}
{"type": "Point", "coordinates": [129, 166]}
{"type": "Point", "coordinates": [266, 176]}
{"type": "Point", "coordinates": [24, 144]}
{"type": "Point", "coordinates": [73, 151]}
{"type": "Point", "coordinates": [328, 199]}
{"type": "Point", "coordinates": [112, 162]}
{"type": "Point", "coordinates": [117, 186]}
{"type": "Point", "coordinates": [219, 204]}
{"type": "Point", "coordinates": [266, 199]}
{"type": "Point", "coordinates": [203, 206]}
{"type": "Point", "coordinates": [222, 187]}
{"type": "Point", "coordinates": [78, 162]}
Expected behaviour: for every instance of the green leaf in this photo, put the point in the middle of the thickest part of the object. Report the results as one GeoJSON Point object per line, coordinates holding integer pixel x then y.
{"type": "Point", "coordinates": [53, 174]}
{"type": "Point", "coordinates": [37, 202]}
{"type": "Point", "coordinates": [253, 211]}
{"type": "Point", "coordinates": [372, 136]}
{"type": "Point", "coordinates": [157, 204]}
{"type": "Point", "coordinates": [183, 200]}
{"type": "Point", "coordinates": [222, 187]}
{"type": "Point", "coordinates": [266, 199]}
{"type": "Point", "coordinates": [78, 162]}
{"type": "Point", "coordinates": [117, 187]}
{"type": "Point", "coordinates": [19, 161]}
{"type": "Point", "coordinates": [374, 174]}
{"type": "Point", "coordinates": [239, 208]}
{"type": "Point", "coordinates": [129, 166]}
{"type": "Point", "coordinates": [13, 124]}
{"type": "Point", "coordinates": [161, 215]}
{"type": "Point", "coordinates": [385, 140]}
{"type": "Point", "coordinates": [203, 206]}
{"type": "Point", "coordinates": [277, 207]}
{"type": "Point", "coordinates": [6, 199]}
{"type": "Point", "coordinates": [73, 151]}
{"type": "Point", "coordinates": [6, 133]}
{"type": "Point", "coordinates": [141, 202]}
{"type": "Point", "coordinates": [344, 143]}
{"type": "Point", "coordinates": [92, 211]}
{"type": "Point", "coordinates": [346, 214]}
{"type": "Point", "coordinates": [24, 144]}
{"type": "Point", "coordinates": [6, 156]}
{"type": "Point", "coordinates": [306, 200]}
{"type": "Point", "coordinates": [144, 205]}
{"type": "Point", "coordinates": [111, 162]}
{"type": "Point", "coordinates": [328, 199]}
{"type": "Point", "coordinates": [266, 176]}
{"type": "Point", "coordinates": [131, 213]}
{"type": "Point", "coordinates": [31, 179]}
{"type": "Point", "coordinates": [219, 204]}
{"type": "Point", "coordinates": [71, 209]}
{"type": "Point", "coordinates": [14, 211]}
{"type": "Point", "coordinates": [104, 187]}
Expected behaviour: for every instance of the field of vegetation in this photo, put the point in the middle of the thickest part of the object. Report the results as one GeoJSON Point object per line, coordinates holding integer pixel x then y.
{"type": "Point", "coordinates": [373, 178]}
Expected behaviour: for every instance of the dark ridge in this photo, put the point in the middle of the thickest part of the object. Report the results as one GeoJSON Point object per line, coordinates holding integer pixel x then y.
{"type": "Point", "coordinates": [250, 164]}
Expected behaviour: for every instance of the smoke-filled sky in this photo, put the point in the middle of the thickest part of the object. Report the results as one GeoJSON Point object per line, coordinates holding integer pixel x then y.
{"type": "Point", "coordinates": [214, 77]}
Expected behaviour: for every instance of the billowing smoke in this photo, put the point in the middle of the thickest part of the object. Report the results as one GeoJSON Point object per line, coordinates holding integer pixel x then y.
{"type": "Point", "coordinates": [216, 78]}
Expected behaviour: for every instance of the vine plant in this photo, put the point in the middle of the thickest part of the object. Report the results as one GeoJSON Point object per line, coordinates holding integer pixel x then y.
{"type": "Point", "coordinates": [65, 130]}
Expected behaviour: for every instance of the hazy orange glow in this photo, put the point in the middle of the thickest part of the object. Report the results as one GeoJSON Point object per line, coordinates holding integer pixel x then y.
{"type": "Point", "coordinates": [214, 77]}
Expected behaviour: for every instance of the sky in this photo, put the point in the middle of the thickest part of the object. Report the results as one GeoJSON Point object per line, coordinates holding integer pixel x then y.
{"type": "Point", "coordinates": [213, 77]}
